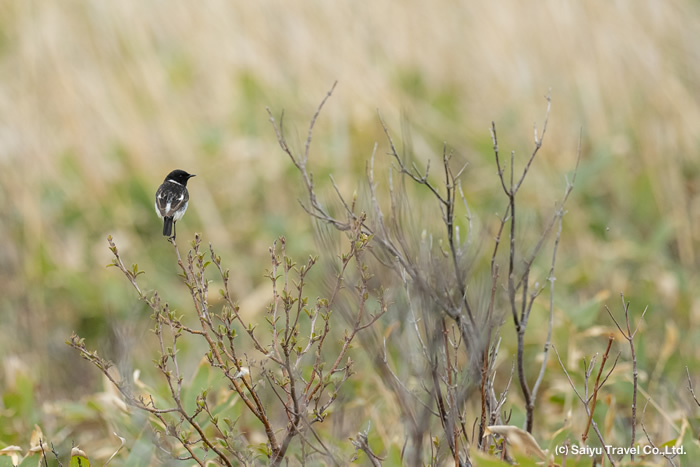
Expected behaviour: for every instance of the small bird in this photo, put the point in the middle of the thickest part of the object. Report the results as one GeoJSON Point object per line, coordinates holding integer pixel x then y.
{"type": "Point", "coordinates": [171, 200]}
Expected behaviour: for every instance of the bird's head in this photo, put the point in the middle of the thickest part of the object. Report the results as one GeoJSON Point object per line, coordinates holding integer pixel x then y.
{"type": "Point", "coordinates": [179, 176]}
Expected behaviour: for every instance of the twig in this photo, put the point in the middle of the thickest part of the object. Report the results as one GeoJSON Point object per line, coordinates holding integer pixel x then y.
{"type": "Point", "coordinates": [361, 443]}
{"type": "Point", "coordinates": [548, 342]}
{"type": "Point", "coordinates": [690, 387]}
{"type": "Point", "coordinates": [585, 402]}
{"type": "Point", "coordinates": [644, 429]}
{"type": "Point", "coordinates": [629, 335]}
{"type": "Point", "coordinates": [597, 386]}
{"type": "Point", "coordinates": [518, 284]}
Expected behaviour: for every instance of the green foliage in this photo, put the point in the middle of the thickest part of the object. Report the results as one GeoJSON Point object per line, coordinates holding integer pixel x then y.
{"type": "Point", "coordinates": [197, 388]}
{"type": "Point", "coordinates": [79, 460]}
{"type": "Point", "coordinates": [141, 452]}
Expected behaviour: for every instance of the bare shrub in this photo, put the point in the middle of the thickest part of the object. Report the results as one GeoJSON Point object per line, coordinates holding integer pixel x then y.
{"type": "Point", "coordinates": [266, 372]}
{"type": "Point", "coordinates": [455, 321]}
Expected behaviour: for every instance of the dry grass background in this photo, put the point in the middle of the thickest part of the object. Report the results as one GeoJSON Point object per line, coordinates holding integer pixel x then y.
{"type": "Point", "coordinates": [101, 99]}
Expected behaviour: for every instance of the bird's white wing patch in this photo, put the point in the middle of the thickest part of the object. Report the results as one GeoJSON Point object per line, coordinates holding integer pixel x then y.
{"type": "Point", "coordinates": [179, 213]}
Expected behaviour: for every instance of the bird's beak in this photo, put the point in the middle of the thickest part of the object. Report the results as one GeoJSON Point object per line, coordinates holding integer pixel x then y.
{"type": "Point", "coordinates": [191, 175]}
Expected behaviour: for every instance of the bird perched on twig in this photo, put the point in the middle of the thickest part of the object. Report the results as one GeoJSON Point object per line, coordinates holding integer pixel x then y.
{"type": "Point", "coordinates": [171, 200]}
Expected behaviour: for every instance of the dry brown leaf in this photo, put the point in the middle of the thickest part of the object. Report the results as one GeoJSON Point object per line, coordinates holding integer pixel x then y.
{"type": "Point", "coordinates": [518, 438]}
{"type": "Point", "coordinates": [36, 440]}
{"type": "Point", "coordinates": [77, 452]}
{"type": "Point", "coordinates": [13, 451]}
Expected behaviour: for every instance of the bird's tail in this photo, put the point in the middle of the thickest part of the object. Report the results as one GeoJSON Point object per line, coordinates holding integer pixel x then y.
{"type": "Point", "coordinates": [167, 226]}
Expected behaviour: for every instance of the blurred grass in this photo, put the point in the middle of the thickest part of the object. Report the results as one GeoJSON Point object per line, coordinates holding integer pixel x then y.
{"type": "Point", "coordinates": [101, 100]}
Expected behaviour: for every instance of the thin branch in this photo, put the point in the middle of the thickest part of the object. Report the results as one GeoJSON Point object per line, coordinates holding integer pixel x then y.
{"type": "Point", "coordinates": [690, 387]}
{"type": "Point", "coordinates": [629, 336]}
{"type": "Point", "coordinates": [584, 401]}
{"type": "Point", "coordinates": [596, 388]}
{"type": "Point", "coordinates": [644, 429]}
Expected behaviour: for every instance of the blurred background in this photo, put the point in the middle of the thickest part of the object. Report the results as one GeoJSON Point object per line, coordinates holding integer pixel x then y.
{"type": "Point", "coordinates": [100, 100]}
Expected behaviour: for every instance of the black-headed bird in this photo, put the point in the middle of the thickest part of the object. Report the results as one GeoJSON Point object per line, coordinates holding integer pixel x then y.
{"type": "Point", "coordinates": [171, 200]}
